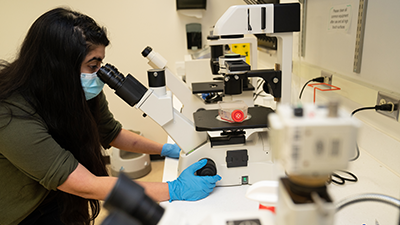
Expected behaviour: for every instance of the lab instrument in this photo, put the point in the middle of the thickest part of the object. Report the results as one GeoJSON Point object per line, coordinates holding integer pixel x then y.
{"type": "Point", "coordinates": [240, 157]}
{"type": "Point", "coordinates": [313, 141]}
{"type": "Point", "coordinates": [232, 162]}
{"type": "Point", "coordinates": [149, 101]}
{"type": "Point", "coordinates": [128, 204]}
{"type": "Point", "coordinates": [242, 151]}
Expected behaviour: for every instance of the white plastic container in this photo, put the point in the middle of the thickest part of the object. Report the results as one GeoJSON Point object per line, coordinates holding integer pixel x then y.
{"type": "Point", "coordinates": [134, 165]}
{"type": "Point", "coordinates": [233, 111]}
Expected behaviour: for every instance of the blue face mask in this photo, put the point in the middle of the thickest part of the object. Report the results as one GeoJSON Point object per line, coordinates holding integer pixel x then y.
{"type": "Point", "coordinates": [92, 85]}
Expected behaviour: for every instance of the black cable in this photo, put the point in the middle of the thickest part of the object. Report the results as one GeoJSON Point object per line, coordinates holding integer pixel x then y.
{"type": "Point", "coordinates": [341, 180]}
{"type": "Point", "coordinates": [260, 83]}
{"type": "Point", "coordinates": [357, 154]}
{"type": "Point", "coordinates": [383, 107]}
{"type": "Point", "coordinates": [318, 79]}
{"type": "Point", "coordinates": [360, 109]}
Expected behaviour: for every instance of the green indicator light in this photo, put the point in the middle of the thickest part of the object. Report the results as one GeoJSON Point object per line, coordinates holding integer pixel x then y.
{"type": "Point", "coordinates": [245, 180]}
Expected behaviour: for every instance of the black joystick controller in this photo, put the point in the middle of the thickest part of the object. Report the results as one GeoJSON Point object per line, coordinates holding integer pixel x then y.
{"type": "Point", "coordinates": [208, 170]}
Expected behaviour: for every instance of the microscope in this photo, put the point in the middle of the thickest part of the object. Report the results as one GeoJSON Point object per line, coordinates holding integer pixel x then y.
{"type": "Point", "coordinates": [227, 155]}
{"type": "Point", "coordinates": [128, 204]}
{"type": "Point", "coordinates": [313, 142]}
{"type": "Point", "coordinates": [238, 157]}
{"type": "Point", "coordinates": [242, 149]}
{"type": "Point", "coordinates": [309, 141]}
{"type": "Point", "coordinates": [211, 86]}
{"type": "Point", "coordinates": [278, 20]}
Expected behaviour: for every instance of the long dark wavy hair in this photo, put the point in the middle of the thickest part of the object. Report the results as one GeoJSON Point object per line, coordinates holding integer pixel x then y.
{"type": "Point", "coordinates": [46, 72]}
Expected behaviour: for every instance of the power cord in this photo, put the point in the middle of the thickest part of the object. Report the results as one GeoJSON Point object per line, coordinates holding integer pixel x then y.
{"type": "Point", "coordinates": [317, 79]}
{"type": "Point", "coordinates": [383, 107]}
{"type": "Point", "coordinates": [258, 92]}
{"type": "Point", "coordinates": [339, 179]}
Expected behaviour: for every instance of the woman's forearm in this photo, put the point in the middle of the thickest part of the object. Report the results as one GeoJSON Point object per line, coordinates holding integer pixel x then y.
{"type": "Point", "coordinates": [158, 191]}
{"type": "Point", "coordinates": [83, 183]}
{"type": "Point", "coordinates": [132, 142]}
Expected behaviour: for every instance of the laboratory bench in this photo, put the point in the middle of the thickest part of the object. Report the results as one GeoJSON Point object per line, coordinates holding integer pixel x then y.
{"type": "Point", "coordinates": [373, 177]}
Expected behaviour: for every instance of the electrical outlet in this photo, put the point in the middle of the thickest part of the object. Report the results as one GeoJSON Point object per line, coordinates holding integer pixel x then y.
{"type": "Point", "coordinates": [327, 77]}
{"type": "Point", "coordinates": [384, 98]}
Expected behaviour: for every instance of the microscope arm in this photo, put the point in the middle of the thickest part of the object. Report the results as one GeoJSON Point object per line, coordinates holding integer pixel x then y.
{"type": "Point", "coordinates": [191, 102]}
{"type": "Point", "coordinates": [272, 78]}
{"type": "Point", "coordinates": [178, 127]}
{"type": "Point", "coordinates": [155, 102]}
{"type": "Point", "coordinates": [259, 19]}
{"type": "Point", "coordinates": [279, 20]}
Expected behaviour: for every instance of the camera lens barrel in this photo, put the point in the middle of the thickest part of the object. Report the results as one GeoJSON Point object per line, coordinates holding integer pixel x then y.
{"type": "Point", "coordinates": [129, 197]}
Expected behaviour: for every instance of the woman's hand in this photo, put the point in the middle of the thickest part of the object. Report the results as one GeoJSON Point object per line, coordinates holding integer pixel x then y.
{"type": "Point", "coordinates": [190, 187]}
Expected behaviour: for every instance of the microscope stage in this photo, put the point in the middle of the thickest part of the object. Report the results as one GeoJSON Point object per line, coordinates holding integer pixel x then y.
{"type": "Point", "coordinates": [216, 86]}
{"type": "Point", "coordinates": [206, 120]}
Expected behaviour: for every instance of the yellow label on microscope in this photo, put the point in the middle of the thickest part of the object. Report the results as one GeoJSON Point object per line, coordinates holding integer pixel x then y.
{"type": "Point", "coordinates": [242, 49]}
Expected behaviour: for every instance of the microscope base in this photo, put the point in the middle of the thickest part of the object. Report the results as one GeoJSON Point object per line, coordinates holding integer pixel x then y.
{"type": "Point", "coordinates": [295, 212]}
{"type": "Point", "coordinates": [237, 164]}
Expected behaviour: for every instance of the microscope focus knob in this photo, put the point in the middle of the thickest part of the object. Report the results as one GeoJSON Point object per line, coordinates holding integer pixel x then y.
{"type": "Point", "coordinates": [208, 170]}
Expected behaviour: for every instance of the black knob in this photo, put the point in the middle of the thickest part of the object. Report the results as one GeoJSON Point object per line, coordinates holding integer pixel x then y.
{"type": "Point", "coordinates": [208, 170]}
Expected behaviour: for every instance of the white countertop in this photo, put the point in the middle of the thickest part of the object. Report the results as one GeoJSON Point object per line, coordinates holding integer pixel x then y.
{"type": "Point", "coordinates": [373, 177]}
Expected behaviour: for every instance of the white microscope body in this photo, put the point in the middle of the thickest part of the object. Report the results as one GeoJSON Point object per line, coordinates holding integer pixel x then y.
{"type": "Point", "coordinates": [198, 72]}
{"type": "Point", "coordinates": [313, 142]}
{"type": "Point", "coordinates": [248, 160]}
{"type": "Point", "coordinates": [275, 20]}
{"type": "Point", "coordinates": [192, 102]}
{"type": "Point", "coordinates": [310, 142]}
{"type": "Point", "coordinates": [238, 157]}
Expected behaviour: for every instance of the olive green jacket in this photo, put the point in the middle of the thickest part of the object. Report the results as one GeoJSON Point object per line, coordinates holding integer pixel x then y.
{"type": "Point", "coordinates": [31, 161]}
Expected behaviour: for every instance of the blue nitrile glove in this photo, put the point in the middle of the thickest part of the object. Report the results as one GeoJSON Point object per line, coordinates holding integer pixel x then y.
{"type": "Point", "coordinates": [171, 150]}
{"type": "Point", "coordinates": [190, 187]}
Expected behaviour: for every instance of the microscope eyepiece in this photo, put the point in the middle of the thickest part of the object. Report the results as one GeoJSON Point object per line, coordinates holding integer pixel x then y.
{"type": "Point", "coordinates": [146, 51]}
{"type": "Point", "coordinates": [111, 76]}
{"type": "Point", "coordinates": [128, 88]}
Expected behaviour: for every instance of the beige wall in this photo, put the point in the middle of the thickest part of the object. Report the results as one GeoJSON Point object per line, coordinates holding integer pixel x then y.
{"type": "Point", "coordinates": [132, 25]}
{"type": "Point", "coordinates": [334, 49]}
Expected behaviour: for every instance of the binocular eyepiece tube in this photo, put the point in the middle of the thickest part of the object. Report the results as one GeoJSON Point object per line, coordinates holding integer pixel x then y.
{"type": "Point", "coordinates": [111, 76]}
{"type": "Point", "coordinates": [128, 88]}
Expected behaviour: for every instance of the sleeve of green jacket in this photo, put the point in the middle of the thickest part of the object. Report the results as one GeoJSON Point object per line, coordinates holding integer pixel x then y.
{"type": "Point", "coordinates": [28, 146]}
{"type": "Point", "coordinates": [109, 128]}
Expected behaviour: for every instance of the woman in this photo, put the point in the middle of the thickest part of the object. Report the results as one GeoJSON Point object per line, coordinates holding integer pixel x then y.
{"type": "Point", "coordinates": [54, 119]}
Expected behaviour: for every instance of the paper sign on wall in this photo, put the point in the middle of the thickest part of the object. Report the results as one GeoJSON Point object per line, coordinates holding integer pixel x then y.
{"type": "Point", "coordinates": [340, 18]}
